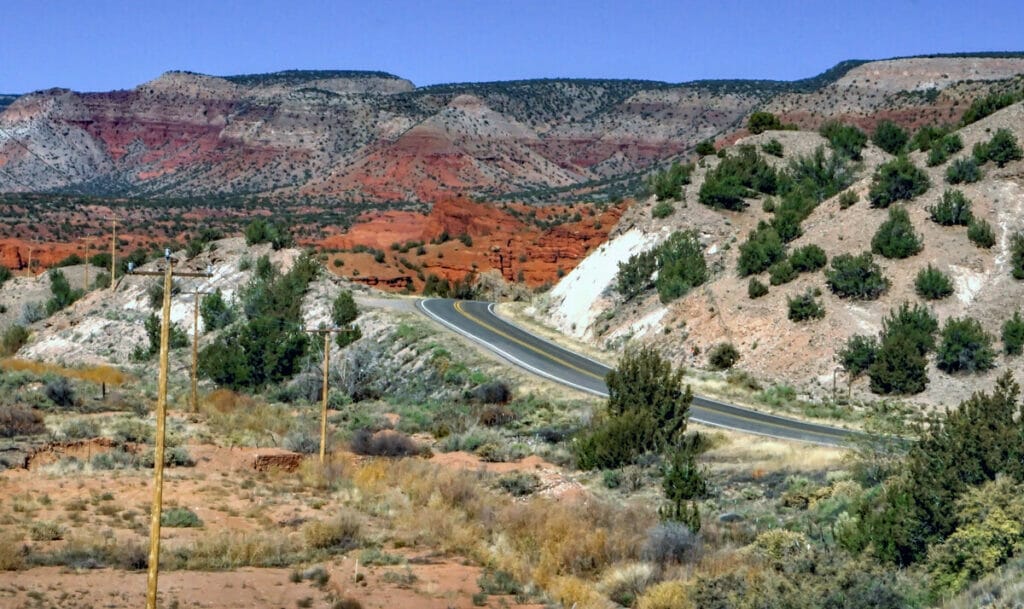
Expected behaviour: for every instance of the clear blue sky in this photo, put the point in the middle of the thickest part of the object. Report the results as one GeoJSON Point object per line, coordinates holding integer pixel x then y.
{"type": "Point", "coordinates": [98, 45]}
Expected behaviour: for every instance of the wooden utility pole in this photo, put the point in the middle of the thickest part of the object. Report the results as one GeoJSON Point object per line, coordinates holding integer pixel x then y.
{"type": "Point", "coordinates": [113, 252]}
{"type": "Point", "coordinates": [327, 332]}
{"type": "Point", "coordinates": [88, 250]}
{"type": "Point", "coordinates": [195, 348]}
{"type": "Point", "coordinates": [156, 511]}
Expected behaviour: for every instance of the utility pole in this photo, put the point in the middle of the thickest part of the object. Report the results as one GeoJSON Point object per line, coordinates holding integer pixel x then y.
{"type": "Point", "coordinates": [156, 511]}
{"type": "Point", "coordinates": [195, 348]}
{"type": "Point", "coordinates": [88, 250]}
{"type": "Point", "coordinates": [113, 252]}
{"type": "Point", "coordinates": [327, 332]}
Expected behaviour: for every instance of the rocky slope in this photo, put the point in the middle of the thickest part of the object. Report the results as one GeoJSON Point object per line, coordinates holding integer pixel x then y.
{"type": "Point", "coordinates": [374, 137]}
{"type": "Point", "coordinates": [773, 348]}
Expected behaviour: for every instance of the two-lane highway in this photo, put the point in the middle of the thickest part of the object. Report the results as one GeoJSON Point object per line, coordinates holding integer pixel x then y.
{"type": "Point", "coordinates": [477, 321]}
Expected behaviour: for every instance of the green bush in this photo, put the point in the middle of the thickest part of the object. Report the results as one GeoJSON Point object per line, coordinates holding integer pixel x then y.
{"type": "Point", "coordinates": [761, 121]}
{"type": "Point", "coordinates": [915, 323]}
{"type": "Point", "coordinates": [890, 137]}
{"type": "Point", "coordinates": [261, 231]}
{"type": "Point", "coordinates": [723, 356]}
{"type": "Point", "coordinates": [808, 258]}
{"type": "Point", "coordinates": [215, 311]}
{"type": "Point", "coordinates": [344, 310]}
{"type": "Point", "coordinates": [737, 177]}
{"type": "Point", "coordinates": [683, 483]}
{"type": "Point", "coordinates": [668, 185]}
{"type": "Point", "coordinates": [895, 238]}
{"type": "Point", "coordinates": [897, 180]}
{"type": "Point", "coordinates": [5, 274]}
{"type": "Point", "coordinates": [857, 277]}
{"type": "Point", "coordinates": [662, 210]}
{"type": "Point", "coordinates": [681, 265]}
{"type": "Point", "coordinates": [1017, 255]}
{"type": "Point", "coordinates": [179, 517]}
{"type": "Point", "coordinates": [1013, 334]}
{"type": "Point", "coordinates": [14, 338]}
{"type": "Point", "coordinates": [984, 106]}
{"type": "Point", "coordinates": [705, 147]}
{"type": "Point", "coordinates": [963, 170]}
{"type": "Point", "coordinates": [635, 275]}
{"type": "Point", "coordinates": [781, 272]}
{"type": "Point", "coordinates": [805, 307]}
{"type": "Point", "coordinates": [1001, 149]}
{"type": "Point", "coordinates": [772, 147]}
{"type": "Point", "coordinates": [848, 199]}
{"type": "Point", "coordinates": [762, 249]}
{"type": "Point", "coordinates": [932, 284]}
{"type": "Point", "coordinates": [965, 347]}
{"type": "Point", "coordinates": [952, 209]}
{"type": "Point", "coordinates": [176, 338]}
{"type": "Point", "coordinates": [858, 354]}
{"type": "Point", "coordinates": [647, 411]}
{"type": "Point", "coordinates": [926, 136]}
{"type": "Point", "coordinates": [898, 367]}
{"type": "Point", "coordinates": [981, 234]}
{"type": "Point", "coordinates": [756, 289]}
{"type": "Point", "coordinates": [62, 294]}
{"type": "Point", "coordinates": [846, 140]}
{"type": "Point", "coordinates": [17, 420]}
{"type": "Point", "coordinates": [946, 147]}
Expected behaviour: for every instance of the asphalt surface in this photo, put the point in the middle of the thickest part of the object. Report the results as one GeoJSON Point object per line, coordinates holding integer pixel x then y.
{"type": "Point", "coordinates": [477, 321]}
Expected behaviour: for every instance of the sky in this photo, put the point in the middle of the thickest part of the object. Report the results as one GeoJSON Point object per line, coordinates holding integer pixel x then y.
{"type": "Point", "coordinates": [101, 45]}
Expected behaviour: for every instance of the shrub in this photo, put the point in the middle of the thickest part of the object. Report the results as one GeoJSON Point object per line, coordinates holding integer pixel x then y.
{"type": "Point", "coordinates": [668, 185]}
{"type": "Point", "coordinates": [261, 231]}
{"type": "Point", "coordinates": [890, 137]}
{"type": "Point", "coordinates": [1013, 334]}
{"type": "Point", "coordinates": [683, 483]}
{"type": "Point", "coordinates": [932, 284]}
{"type": "Point", "coordinates": [772, 147]}
{"type": "Point", "coordinates": [1017, 255]}
{"type": "Point", "coordinates": [846, 140]}
{"type": "Point", "coordinates": [805, 307]}
{"type": "Point", "coordinates": [634, 275]}
{"type": "Point", "coordinates": [963, 170]}
{"type": "Point", "coordinates": [45, 531]}
{"type": "Point", "coordinates": [897, 180]}
{"type": "Point", "coordinates": [519, 484]}
{"type": "Point", "coordinates": [781, 272]}
{"type": "Point", "coordinates": [339, 534]}
{"type": "Point", "coordinates": [14, 338]}
{"type": "Point", "coordinates": [953, 209]}
{"type": "Point", "coordinates": [181, 518]}
{"type": "Point", "coordinates": [980, 232]}
{"type": "Point", "coordinates": [705, 147]}
{"type": "Point", "coordinates": [858, 354]}
{"type": "Point", "coordinates": [62, 294]}
{"type": "Point", "coordinates": [848, 199]}
{"type": "Point", "coordinates": [856, 277]}
{"type": "Point", "coordinates": [670, 543]}
{"type": "Point", "coordinates": [762, 249]}
{"type": "Point", "coordinates": [681, 265]}
{"type": "Point", "coordinates": [915, 323]}
{"type": "Point", "coordinates": [965, 347]}
{"type": "Point", "coordinates": [895, 238]}
{"type": "Point", "coordinates": [737, 177]}
{"type": "Point", "coordinates": [498, 583]}
{"type": "Point", "coordinates": [756, 289]}
{"type": "Point", "coordinates": [492, 392]}
{"type": "Point", "coordinates": [5, 274]}
{"type": "Point", "coordinates": [898, 367]}
{"type": "Point", "coordinates": [385, 443]}
{"type": "Point", "coordinates": [808, 258]}
{"type": "Point", "coordinates": [647, 410]}
{"type": "Point", "coordinates": [941, 150]}
{"type": "Point", "coordinates": [762, 121]}
{"type": "Point", "coordinates": [926, 136]}
{"type": "Point", "coordinates": [662, 209]}
{"type": "Point", "coordinates": [984, 106]}
{"type": "Point", "coordinates": [304, 442]}
{"type": "Point", "coordinates": [17, 420]}
{"type": "Point", "coordinates": [1001, 149]}
{"type": "Point", "coordinates": [723, 356]}
{"type": "Point", "coordinates": [80, 429]}
{"type": "Point", "coordinates": [60, 392]}
{"type": "Point", "coordinates": [215, 311]}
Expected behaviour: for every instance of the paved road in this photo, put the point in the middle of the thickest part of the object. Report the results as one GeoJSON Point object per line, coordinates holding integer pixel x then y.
{"type": "Point", "coordinates": [477, 321]}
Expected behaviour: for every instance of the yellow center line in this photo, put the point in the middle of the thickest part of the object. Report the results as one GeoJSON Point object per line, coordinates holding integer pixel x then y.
{"type": "Point", "coordinates": [731, 415]}
{"type": "Point", "coordinates": [541, 352]}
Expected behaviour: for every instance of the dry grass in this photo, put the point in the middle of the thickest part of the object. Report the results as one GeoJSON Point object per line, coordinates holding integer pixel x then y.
{"type": "Point", "coordinates": [93, 374]}
{"type": "Point", "coordinates": [766, 455]}
{"type": "Point", "coordinates": [11, 556]}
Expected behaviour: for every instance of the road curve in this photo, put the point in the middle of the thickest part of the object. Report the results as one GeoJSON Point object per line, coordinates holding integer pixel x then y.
{"type": "Point", "coordinates": [477, 321]}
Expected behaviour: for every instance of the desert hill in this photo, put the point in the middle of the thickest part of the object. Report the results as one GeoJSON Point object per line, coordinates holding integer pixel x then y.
{"type": "Point", "coordinates": [773, 348]}
{"type": "Point", "coordinates": [374, 137]}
